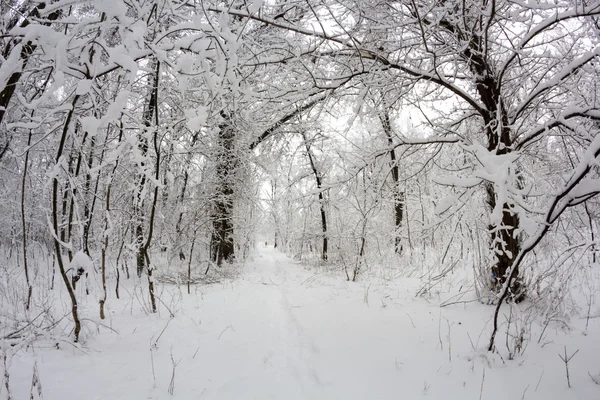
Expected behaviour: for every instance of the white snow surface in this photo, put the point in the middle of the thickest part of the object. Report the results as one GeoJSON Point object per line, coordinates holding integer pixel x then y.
{"type": "Point", "coordinates": [280, 331]}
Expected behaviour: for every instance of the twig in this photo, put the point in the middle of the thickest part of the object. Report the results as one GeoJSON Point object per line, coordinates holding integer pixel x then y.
{"type": "Point", "coordinates": [366, 297]}
{"type": "Point", "coordinates": [411, 320]}
{"type": "Point", "coordinates": [223, 331]}
{"type": "Point", "coordinates": [471, 340]}
{"type": "Point", "coordinates": [152, 362]}
{"type": "Point", "coordinates": [171, 313]}
{"type": "Point", "coordinates": [440, 331]}
{"type": "Point", "coordinates": [163, 331]}
{"type": "Point", "coordinates": [482, 381]}
{"type": "Point", "coordinates": [99, 324]}
{"type": "Point", "coordinates": [524, 391]}
{"type": "Point", "coordinates": [566, 360]}
{"type": "Point", "coordinates": [8, 395]}
{"type": "Point", "coordinates": [36, 386]}
{"type": "Point", "coordinates": [449, 340]}
{"type": "Point", "coordinates": [11, 335]}
{"type": "Point", "coordinates": [539, 380]}
{"type": "Point", "coordinates": [174, 364]}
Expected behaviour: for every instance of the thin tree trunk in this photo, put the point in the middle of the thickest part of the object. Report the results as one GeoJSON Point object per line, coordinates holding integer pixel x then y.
{"type": "Point", "coordinates": [361, 254]}
{"type": "Point", "coordinates": [189, 271]}
{"type": "Point", "coordinates": [153, 110]}
{"type": "Point", "coordinates": [88, 210]}
{"type": "Point", "coordinates": [321, 198]}
{"type": "Point", "coordinates": [397, 194]}
{"type": "Point", "coordinates": [57, 245]}
{"type": "Point", "coordinates": [105, 234]}
{"type": "Point", "coordinates": [74, 190]}
{"type": "Point", "coordinates": [24, 178]}
{"type": "Point", "coordinates": [23, 222]}
{"type": "Point", "coordinates": [143, 146]}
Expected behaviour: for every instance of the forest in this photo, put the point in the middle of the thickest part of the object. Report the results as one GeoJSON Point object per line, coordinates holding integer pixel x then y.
{"type": "Point", "coordinates": [256, 177]}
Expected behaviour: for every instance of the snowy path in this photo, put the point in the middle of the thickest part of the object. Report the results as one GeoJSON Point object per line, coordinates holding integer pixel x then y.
{"type": "Point", "coordinates": [266, 329]}
{"type": "Point", "coordinates": [281, 332]}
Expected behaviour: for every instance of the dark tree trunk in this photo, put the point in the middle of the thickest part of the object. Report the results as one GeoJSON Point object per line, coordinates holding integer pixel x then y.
{"type": "Point", "coordinates": [321, 197]}
{"type": "Point", "coordinates": [506, 247]}
{"type": "Point", "coordinates": [23, 222]}
{"type": "Point", "coordinates": [143, 257]}
{"type": "Point", "coordinates": [398, 195]}
{"type": "Point", "coordinates": [221, 245]}
{"type": "Point", "coordinates": [107, 211]}
{"type": "Point", "coordinates": [323, 224]}
{"type": "Point", "coordinates": [88, 209]}
{"type": "Point", "coordinates": [55, 225]}
{"type": "Point", "coordinates": [149, 112]}
{"type": "Point", "coordinates": [505, 243]}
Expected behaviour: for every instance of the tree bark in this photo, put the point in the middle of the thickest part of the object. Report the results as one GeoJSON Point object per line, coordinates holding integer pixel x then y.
{"type": "Point", "coordinates": [397, 194]}
{"type": "Point", "coordinates": [222, 248]}
{"type": "Point", "coordinates": [505, 243]}
{"type": "Point", "coordinates": [149, 112]}
{"type": "Point", "coordinates": [321, 198]}
{"type": "Point", "coordinates": [23, 222]}
{"type": "Point", "coordinates": [143, 257]}
{"type": "Point", "coordinates": [57, 244]}
{"type": "Point", "coordinates": [106, 227]}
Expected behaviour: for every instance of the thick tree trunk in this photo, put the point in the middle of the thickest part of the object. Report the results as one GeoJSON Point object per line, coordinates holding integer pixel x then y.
{"type": "Point", "coordinates": [222, 248]}
{"type": "Point", "coordinates": [505, 243]}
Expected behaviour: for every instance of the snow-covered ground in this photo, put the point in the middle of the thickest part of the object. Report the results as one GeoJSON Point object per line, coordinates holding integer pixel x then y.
{"type": "Point", "coordinates": [281, 332]}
